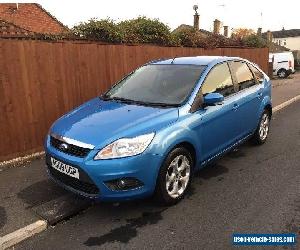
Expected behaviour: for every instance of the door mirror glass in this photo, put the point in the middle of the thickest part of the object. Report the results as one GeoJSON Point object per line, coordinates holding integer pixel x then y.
{"type": "Point", "coordinates": [213, 98]}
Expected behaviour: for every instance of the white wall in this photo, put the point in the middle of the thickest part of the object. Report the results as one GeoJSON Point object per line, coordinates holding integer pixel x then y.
{"type": "Point", "coordinates": [293, 43]}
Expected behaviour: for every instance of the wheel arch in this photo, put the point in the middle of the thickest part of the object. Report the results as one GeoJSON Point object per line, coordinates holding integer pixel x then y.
{"type": "Point", "coordinates": [190, 147]}
{"type": "Point", "coordinates": [266, 104]}
{"type": "Point", "coordinates": [268, 107]}
{"type": "Point", "coordinates": [280, 70]}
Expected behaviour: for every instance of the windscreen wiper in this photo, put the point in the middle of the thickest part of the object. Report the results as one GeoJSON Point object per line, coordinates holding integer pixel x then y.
{"type": "Point", "coordinates": [106, 98]}
{"type": "Point", "coordinates": [129, 101]}
{"type": "Point", "coordinates": [158, 104]}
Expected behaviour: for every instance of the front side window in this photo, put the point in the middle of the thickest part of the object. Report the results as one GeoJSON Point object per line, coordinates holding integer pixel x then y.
{"type": "Point", "coordinates": [158, 84]}
{"type": "Point", "coordinates": [218, 80]}
{"type": "Point", "coordinates": [259, 76]}
{"type": "Point", "coordinates": [243, 75]}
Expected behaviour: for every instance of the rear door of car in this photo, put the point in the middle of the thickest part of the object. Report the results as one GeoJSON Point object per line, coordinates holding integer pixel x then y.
{"type": "Point", "coordinates": [250, 93]}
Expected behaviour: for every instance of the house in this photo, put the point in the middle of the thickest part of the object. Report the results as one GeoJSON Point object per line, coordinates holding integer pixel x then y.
{"type": "Point", "coordinates": [287, 38]}
{"type": "Point", "coordinates": [10, 30]}
{"type": "Point", "coordinates": [216, 26]}
{"type": "Point", "coordinates": [27, 19]}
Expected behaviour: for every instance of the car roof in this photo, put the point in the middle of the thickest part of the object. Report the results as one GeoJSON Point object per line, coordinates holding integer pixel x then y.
{"type": "Point", "coordinates": [195, 60]}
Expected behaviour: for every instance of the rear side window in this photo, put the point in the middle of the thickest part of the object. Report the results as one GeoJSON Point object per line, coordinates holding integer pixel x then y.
{"type": "Point", "coordinates": [243, 75]}
{"type": "Point", "coordinates": [218, 80]}
{"type": "Point", "coordinates": [259, 76]}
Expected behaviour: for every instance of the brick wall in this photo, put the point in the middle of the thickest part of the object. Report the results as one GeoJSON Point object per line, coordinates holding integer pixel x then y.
{"type": "Point", "coordinates": [30, 16]}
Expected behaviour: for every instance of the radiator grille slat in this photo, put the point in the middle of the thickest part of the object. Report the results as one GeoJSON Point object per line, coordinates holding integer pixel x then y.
{"type": "Point", "coordinates": [71, 149]}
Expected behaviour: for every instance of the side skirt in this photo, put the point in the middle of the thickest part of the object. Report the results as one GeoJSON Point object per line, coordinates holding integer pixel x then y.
{"type": "Point", "coordinates": [224, 151]}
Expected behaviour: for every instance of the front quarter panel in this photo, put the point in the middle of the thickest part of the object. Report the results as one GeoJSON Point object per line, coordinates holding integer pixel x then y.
{"type": "Point", "coordinates": [180, 132]}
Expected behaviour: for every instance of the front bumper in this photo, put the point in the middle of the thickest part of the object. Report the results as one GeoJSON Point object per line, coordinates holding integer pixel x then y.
{"type": "Point", "coordinates": [95, 173]}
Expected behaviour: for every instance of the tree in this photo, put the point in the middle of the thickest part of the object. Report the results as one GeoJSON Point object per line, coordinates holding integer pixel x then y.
{"type": "Point", "coordinates": [242, 33]}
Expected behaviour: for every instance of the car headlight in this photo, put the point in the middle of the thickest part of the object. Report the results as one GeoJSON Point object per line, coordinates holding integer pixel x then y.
{"type": "Point", "coordinates": [125, 147]}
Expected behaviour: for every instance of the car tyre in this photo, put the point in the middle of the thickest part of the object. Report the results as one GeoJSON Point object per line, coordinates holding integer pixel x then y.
{"type": "Point", "coordinates": [261, 134]}
{"type": "Point", "coordinates": [282, 73]}
{"type": "Point", "coordinates": [174, 177]}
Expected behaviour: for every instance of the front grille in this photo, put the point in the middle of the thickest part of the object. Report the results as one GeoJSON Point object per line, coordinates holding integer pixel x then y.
{"type": "Point", "coordinates": [71, 149]}
{"type": "Point", "coordinates": [86, 187]}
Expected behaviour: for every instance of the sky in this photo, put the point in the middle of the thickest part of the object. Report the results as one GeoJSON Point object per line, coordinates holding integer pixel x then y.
{"type": "Point", "coordinates": [276, 14]}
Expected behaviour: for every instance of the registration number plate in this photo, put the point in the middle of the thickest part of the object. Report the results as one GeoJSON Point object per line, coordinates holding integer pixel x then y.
{"type": "Point", "coordinates": [64, 168]}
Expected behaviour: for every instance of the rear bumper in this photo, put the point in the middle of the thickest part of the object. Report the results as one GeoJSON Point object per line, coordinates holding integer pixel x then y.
{"type": "Point", "coordinates": [95, 173]}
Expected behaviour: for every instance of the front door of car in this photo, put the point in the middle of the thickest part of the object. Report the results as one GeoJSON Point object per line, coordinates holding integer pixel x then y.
{"type": "Point", "coordinates": [217, 124]}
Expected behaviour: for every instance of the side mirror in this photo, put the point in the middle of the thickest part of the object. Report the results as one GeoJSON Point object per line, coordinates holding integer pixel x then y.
{"type": "Point", "coordinates": [213, 98]}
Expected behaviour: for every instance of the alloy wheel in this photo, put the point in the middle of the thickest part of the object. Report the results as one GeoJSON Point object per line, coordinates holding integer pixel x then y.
{"type": "Point", "coordinates": [178, 176]}
{"type": "Point", "coordinates": [264, 127]}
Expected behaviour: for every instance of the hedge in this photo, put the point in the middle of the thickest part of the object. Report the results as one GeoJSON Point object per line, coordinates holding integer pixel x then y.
{"type": "Point", "coordinates": [145, 30]}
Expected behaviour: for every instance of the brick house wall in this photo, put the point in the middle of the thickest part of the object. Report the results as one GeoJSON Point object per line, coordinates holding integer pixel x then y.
{"type": "Point", "coordinates": [31, 17]}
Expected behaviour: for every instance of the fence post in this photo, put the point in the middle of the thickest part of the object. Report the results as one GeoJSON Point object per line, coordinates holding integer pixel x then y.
{"type": "Point", "coordinates": [270, 71]}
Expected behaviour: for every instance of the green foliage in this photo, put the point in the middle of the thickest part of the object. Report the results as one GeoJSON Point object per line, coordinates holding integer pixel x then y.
{"type": "Point", "coordinates": [188, 37]}
{"type": "Point", "coordinates": [145, 30]}
{"type": "Point", "coordinates": [255, 41]}
{"type": "Point", "coordinates": [104, 30]}
{"type": "Point", "coordinates": [139, 30]}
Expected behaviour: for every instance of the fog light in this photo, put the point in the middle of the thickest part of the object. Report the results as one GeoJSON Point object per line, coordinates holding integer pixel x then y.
{"type": "Point", "coordinates": [124, 184]}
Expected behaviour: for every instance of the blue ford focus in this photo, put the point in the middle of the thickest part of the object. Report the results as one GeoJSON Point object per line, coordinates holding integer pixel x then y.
{"type": "Point", "coordinates": [152, 130]}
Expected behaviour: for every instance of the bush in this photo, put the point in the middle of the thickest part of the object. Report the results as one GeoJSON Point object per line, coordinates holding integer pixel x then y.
{"type": "Point", "coordinates": [188, 37]}
{"type": "Point", "coordinates": [145, 30]}
{"type": "Point", "coordinates": [255, 41]}
{"type": "Point", "coordinates": [104, 30]}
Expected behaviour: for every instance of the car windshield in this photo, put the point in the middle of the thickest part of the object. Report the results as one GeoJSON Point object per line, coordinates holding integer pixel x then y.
{"type": "Point", "coordinates": [157, 85]}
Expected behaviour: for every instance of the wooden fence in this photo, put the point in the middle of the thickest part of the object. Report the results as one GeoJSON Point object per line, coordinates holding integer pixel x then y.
{"type": "Point", "coordinates": [40, 81]}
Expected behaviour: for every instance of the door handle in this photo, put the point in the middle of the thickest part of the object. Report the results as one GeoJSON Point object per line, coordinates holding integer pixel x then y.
{"type": "Point", "coordinates": [259, 95]}
{"type": "Point", "coordinates": [235, 107]}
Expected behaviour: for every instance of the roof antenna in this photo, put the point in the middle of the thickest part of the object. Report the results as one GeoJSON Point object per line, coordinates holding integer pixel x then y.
{"type": "Point", "coordinates": [173, 60]}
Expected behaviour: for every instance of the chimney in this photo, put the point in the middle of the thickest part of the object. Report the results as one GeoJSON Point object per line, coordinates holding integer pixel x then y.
{"type": "Point", "coordinates": [196, 17]}
{"type": "Point", "coordinates": [259, 31]}
{"type": "Point", "coordinates": [217, 26]}
{"type": "Point", "coordinates": [269, 36]}
{"type": "Point", "coordinates": [226, 31]}
{"type": "Point", "coordinates": [196, 21]}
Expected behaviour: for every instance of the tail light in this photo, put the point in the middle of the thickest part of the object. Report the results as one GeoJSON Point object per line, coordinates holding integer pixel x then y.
{"type": "Point", "coordinates": [290, 63]}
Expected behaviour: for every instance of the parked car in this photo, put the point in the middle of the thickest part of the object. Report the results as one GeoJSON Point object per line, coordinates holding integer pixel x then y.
{"type": "Point", "coordinates": [151, 131]}
{"type": "Point", "coordinates": [283, 64]}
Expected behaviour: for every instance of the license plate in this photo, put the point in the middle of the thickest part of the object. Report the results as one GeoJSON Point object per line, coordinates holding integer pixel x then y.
{"type": "Point", "coordinates": [64, 168]}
